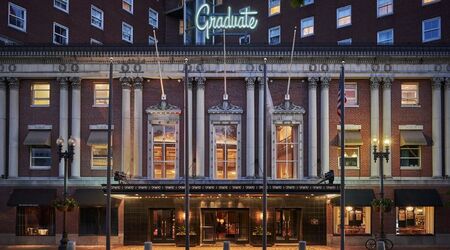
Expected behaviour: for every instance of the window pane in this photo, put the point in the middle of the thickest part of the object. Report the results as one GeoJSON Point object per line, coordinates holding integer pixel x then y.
{"type": "Point", "coordinates": [415, 220]}
{"type": "Point", "coordinates": [41, 157]}
{"type": "Point", "coordinates": [357, 220]}
{"type": "Point", "coordinates": [170, 170]}
{"type": "Point", "coordinates": [157, 152]}
{"type": "Point", "coordinates": [33, 221]}
{"type": "Point", "coordinates": [158, 170]}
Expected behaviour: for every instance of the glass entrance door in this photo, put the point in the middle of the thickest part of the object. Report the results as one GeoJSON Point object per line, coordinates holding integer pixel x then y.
{"type": "Point", "coordinates": [162, 225]}
{"type": "Point", "coordinates": [287, 225]}
{"type": "Point", "coordinates": [225, 224]}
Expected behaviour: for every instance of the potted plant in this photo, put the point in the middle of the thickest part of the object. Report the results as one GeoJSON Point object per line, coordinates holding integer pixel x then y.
{"type": "Point", "coordinates": [65, 205]}
{"type": "Point", "coordinates": [257, 237]}
{"type": "Point", "coordinates": [180, 237]}
{"type": "Point", "coordinates": [385, 204]}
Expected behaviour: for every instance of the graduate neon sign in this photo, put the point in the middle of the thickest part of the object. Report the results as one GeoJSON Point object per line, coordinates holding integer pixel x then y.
{"type": "Point", "coordinates": [207, 21]}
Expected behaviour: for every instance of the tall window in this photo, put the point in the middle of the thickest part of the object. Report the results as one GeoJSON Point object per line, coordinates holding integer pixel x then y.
{"type": "Point", "coordinates": [96, 17]}
{"type": "Point", "coordinates": [40, 157]}
{"type": "Point", "coordinates": [410, 156]}
{"type": "Point", "coordinates": [351, 158]}
{"type": "Point", "coordinates": [385, 7]}
{"type": "Point", "coordinates": [431, 29]}
{"type": "Point", "coordinates": [274, 7]}
{"type": "Point", "coordinates": [40, 94]}
{"type": "Point", "coordinates": [226, 151]}
{"type": "Point", "coordinates": [307, 26]}
{"type": "Point", "coordinates": [410, 94]}
{"type": "Point", "coordinates": [61, 5]}
{"type": "Point", "coordinates": [17, 17]}
{"type": "Point", "coordinates": [99, 154]}
{"type": "Point", "coordinates": [351, 94]}
{"type": "Point", "coordinates": [153, 18]}
{"type": "Point", "coordinates": [92, 221]}
{"type": "Point", "coordinates": [286, 151]}
{"type": "Point", "coordinates": [275, 35]}
{"type": "Point", "coordinates": [385, 37]}
{"type": "Point", "coordinates": [164, 151]}
{"type": "Point", "coordinates": [60, 34]}
{"type": "Point", "coordinates": [357, 220]}
{"type": "Point", "coordinates": [35, 221]}
{"type": "Point", "coordinates": [344, 16]}
{"type": "Point", "coordinates": [181, 27]}
{"type": "Point", "coordinates": [127, 32]}
{"type": "Point", "coordinates": [347, 41]}
{"type": "Point", "coordinates": [127, 5]}
{"type": "Point", "coordinates": [415, 220]}
{"type": "Point", "coordinates": [425, 2]}
{"type": "Point", "coordinates": [101, 94]}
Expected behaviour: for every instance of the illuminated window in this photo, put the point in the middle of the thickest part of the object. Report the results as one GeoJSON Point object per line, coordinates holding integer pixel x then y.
{"type": "Point", "coordinates": [127, 32]}
{"type": "Point", "coordinates": [275, 35]}
{"type": "Point", "coordinates": [431, 29]}
{"type": "Point", "coordinates": [226, 147]}
{"type": "Point", "coordinates": [164, 151]}
{"type": "Point", "coordinates": [99, 154]}
{"type": "Point", "coordinates": [127, 5]}
{"type": "Point", "coordinates": [385, 7]}
{"type": "Point", "coordinates": [61, 5]}
{"type": "Point", "coordinates": [274, 7]}
{"type": "Point", "coordinates": [286, 151]}
{"type": "Point", "coordinates": [181, 27]}
{"type": "Point", "coordinates": [351, 158]}
{"type": "Point", "coordinates": [415, 220]}
{"type": "Point", "coordinates": [307, 26]}
{"type": "Point", "coordinates": [410, 94]}
{"type": "Point", "coordinates": [96, 17]}
{"type": "Point", "coordinates": [308, 2]}
{"type": "Point", "coordinates": [153, 18]}
{"type": "Point", "coordinates": [357, 220]}
{"type": "Point", "coordinates": [35, 221]}
{"type": "Point", "coordinates": [347, 41]}
{"type": "Point", "coordinates": [351, 94]}
{"type": "Point", "coordinates": [425, 2]}
{"type": "Point", "coordinates": [41, 157]}
{"type": "Point", "coordinates": [410, 156]}
{"type": "Point", "coordinates": [17, 17]}
{"type": "Point", "coordinates": [244, 40]}
{"type": "Point", "coordinates": [344, 16]}
{"type": "Point", "coordinates": [101, 94]}
{"type": "Point", "coordinates": [60, 34]}
{"type": "Point", "coordinates": [40, 94]}
{"type": "Point", "coordinates": [385, 37]}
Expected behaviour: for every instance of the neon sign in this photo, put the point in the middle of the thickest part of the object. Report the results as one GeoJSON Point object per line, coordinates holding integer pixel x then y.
{"type": "Point", "coordinates": [207, 21]}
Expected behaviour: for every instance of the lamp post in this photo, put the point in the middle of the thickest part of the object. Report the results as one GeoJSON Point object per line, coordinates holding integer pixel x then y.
{"type": "Point", "coordinates": [381, 155]}
{"type": "Point", "coordinates": [68, 156]}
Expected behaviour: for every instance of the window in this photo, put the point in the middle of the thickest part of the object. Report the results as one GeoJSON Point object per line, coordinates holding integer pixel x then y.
{"type": "Point", "coordinates": [275, 35]}
{"type": "Point", "coordinates": [40, 94]}
{"type": "Point", "coordinates": [351, 94]}
{"type": "Point", "coordinates": [274, 7]}
{"type": "Point", "coordinates": [286, 151]}
{"type": "Point", "coordinates": [127, 5]}
{"type": "Point", "coordinates": [60, 34]}
{"type": "Point", "coordinates": [95, 42]}
{"type": "Point", "coordinates": [41, 157]}
{"type": "Point", "coordinates": [17, 17]}
{"type": "Point", "coordinates": [153, 18]}
{"type": "Point", "coordinates": [61, 5]}
{"type": "Point", "coordinates": [181, 27]}
{"type": "Point", "coordinates": [92, 221]}
{"type": "Point", "coordinates": [151, 40]}
{"type": "Point", "coordinates": [410, 156]}
{"type": "Point", "coordinates": [99, 156]}
{"type": "Point", "coordinates": [410, 94]}
{"type": "Point", "coordinates": [164, 151]}
{"type": "Point", "coordinates": [96, 17]}
{"type": "Point", "coordinates": [101, 94]}
{"type": "Point", "coordinates": [385, 7]}
{"type": "Point", "coordinates": [385, 37]}
{"type": "Point", "coordinates": [431, 29]}
{"type": "Point", "coordinates": [226, 146]}
{"type": "Point", "coordinates": [127, 32]}
{"type": "Point", "coordinates": [307, 26]}
{"type": "Point", "coordinates": [347, 41]}
{"type": "Point", "coordinates": [415, 220]}
{"type": "Point", "coordinates": [351, 158]}
{"type": "Point", "coordinates": [357, 220]}
{"type": "Point", "coordinates": [244, 40]}
{"type": "Point", "coordinates": [426, 2]}
{"type": "Point", "coordinates": [35, 221]}
{"type": "Point", "coordinates": [344, 16]}
{"type": "Point", "coordinates": [308, 2]}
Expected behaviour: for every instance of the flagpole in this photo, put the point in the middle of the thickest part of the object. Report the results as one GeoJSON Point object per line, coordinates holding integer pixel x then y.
{"type": "Point", "coordinates": [264, 198]}
{"type": "Point", "coordinates": [342, 162]}
{"type": "Point", "coordinates": [108, 162]}
{"type": "Point", "coordinates": [225, 94]}
{"type": "Point", "coordinates": [163, 94]}
{"type": "Point", "coordinates": [287, 96]}
{"type": "Point", "coordinates": [186, 161]}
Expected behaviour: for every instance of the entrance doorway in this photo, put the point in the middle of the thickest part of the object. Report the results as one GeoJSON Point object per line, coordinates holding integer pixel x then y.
{"type": "Point", "coordinates": [162, 225]}
{"type": "Point", "coordinates": [225, 224]}
{"type": "Point", "coordinates": [287, 225]}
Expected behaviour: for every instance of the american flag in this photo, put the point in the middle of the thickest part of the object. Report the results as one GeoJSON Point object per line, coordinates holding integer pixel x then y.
{"type": "Point", "coordinates": [340, 92]}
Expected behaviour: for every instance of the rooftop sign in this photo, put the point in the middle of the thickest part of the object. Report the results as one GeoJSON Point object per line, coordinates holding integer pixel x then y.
{"type": "Point", "coordinates": [207, 21]}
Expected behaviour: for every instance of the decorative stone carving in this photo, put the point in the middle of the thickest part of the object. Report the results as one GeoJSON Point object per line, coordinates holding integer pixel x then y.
{"type": "Point", "coordinates": [325, 81]}
{"type": "Point", "coordinates": [163, 108]}
{"type": "Point", "coordinates": [447, 82]}
{"type": "Point", "coordinates": [13, 82]}
{"type": "Point", "coordinates": [201, 81]}
{"type": "Point", "coordinates": [312, 82]}
{"type": "Point", "coordinates": [125, 82]}
{"type": "Point", "coordinates": [387, 82]}
{"type": "Point", "coordinates": [75, 82]}
{"type": "Point", "coordinates": [437, 82]}
{"type": "Point", "coordinates": [137, 82]}
{"type": "Point", "coordinates": [375, 82]}
{"type": "Point", "coordinates": [189, 82]}
{"type": "Point", "coordinates": [63, 82]}
{"type": "Point", "coordinates": [250, 82]}
{"type": "Point", "coordinates": [225, 108]}
{"type": "Point", "coordinates": [288, 108]}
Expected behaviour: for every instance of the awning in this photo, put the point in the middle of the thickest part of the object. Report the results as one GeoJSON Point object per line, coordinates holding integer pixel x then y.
{"type": "Point", "coordinates": [356, 197]}
{"type": "Point", "coordinates": [352, 137]}
{"type": "Point", "coordinates": [97, 137]}
{"type": "Point", "coordinates": [412, 137]}
{"type": "Point", "coordinates": [33, 197]}
{"type": "Point", "coordinates": [38, 138]}
{"type": "Point", "coordinates": [93, 198]}
{"type": "Point", "coordinates": [417, 197]}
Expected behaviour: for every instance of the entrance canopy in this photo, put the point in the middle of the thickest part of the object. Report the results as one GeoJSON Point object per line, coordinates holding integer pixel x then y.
{"type": "Point", "coordinates": [417, 197]}
{"type": "Point", "coordinates": [31, 197]}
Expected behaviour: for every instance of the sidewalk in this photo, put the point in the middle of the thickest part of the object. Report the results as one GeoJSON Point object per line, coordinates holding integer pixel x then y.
{"type": "Point", "coordinates": [162, 247]}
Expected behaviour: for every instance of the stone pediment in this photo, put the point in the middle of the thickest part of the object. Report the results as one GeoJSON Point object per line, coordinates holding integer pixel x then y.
{"type": "Point", "coordinates": [163, 108]}
{"type": "Point", "coordinates": [288, 107]}
{"type": "Point", "coordinates": [225, 108]}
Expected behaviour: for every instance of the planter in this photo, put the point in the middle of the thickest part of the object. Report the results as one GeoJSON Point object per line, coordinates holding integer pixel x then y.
{"type": "Point", "coordinates": [256, 240]}
{"type": "Point", "coordinates": [180, 240]}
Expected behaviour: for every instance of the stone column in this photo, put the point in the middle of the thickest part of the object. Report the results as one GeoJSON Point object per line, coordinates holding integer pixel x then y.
{"type": "Point", "coordinates": [312, 127]}
{"type": "Point", "coordinates": [200, 132]}
{"type": "Point", "coordinates": [76, 125]}
{"type": "Point", "coordinates": [447, 126]}
{"type": "Point", "coordinates": [13, 127]}
{"type": "Point", "coordinates": [63, 116]}
{"type": "Point", "coordinates": [374, 120]}
{"type": "Point", "coordinates": [437, 127]}
{"type": "Point", "coordinates": [250, 131]}
{"type": "Point", "coordinates": [261, 128]}
{"type": "Point", "coordinates": [325, 124]}
{"type": "Point", "coordinates": [189, 125]}
{"type": "Point", "coordinates": [126, 125]}
{"type": "Point", "coordinates": [3, 83]}
{"type": "Point", "coordinates": [137, 131]}
{"type": "Point", "coordinates": [387, 119]}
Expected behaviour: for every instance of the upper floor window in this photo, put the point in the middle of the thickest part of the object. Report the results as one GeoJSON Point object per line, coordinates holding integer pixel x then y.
{"type": "Point", "coordinates": [99, 156]}
{"type": "Point", "coordinates": [153, 18]}
{"type": "Point", "coordinates": [226, 149]}
{"type": "Point", "coordinates": [385, 7]}
{"type": "Point", "coordinates": [351, 94]}
{"type": "Point", "coordinates": [164, 151]}
{"type": "Point", "coordinates": [274, 7]}
{"type": "Point", "coordinates": [286, 151]}
{"type": "Point", "coordinates": [351, 158]}
{"type": "Point", "coordinates": [385, 37]}
{"type": "Point", "coordinates": [425, 2]}
{"type": "Point", "coordinates": [275, 35]}
{"type": "Point", "coordinates": [307, 26]}
{"type": "Point", "coordinates": [410, 156]}
{"type": "Point", "coordinates": [60, 34]}
{"type": "Point", "coordinates": [347, 41]}
{"type": "Point", "coordinates": [181, 27]}
{"type": "Point", "coordinates": [151, 40]}
{"type": "Point", "coordinates": [40, 94]}
{"type": "Point", "coordinates": [244, 40]}
{"type": "Point", "coordinates": [127, 32]}
{"type": "Point", "coordinates": [17, 17]}
{"type": "Point", "coordinates": [61, 5]}
{"type": "Point", "coordinates": [308, 2]}
{"type": "Point", "coordinates": [96, 17]}
{"type": "Point", "coordinates": [344, 16]}
{"type": "Point", "coordinates": [127, 5]}
{"type": "Point", "coordinates": [40, 157]}
{"type": "Point", "coordinates": [431, 29]}
{"type": "Point", "coordinates": [410, 94]}
{"type": "Point", "coordinates": [101, 94]}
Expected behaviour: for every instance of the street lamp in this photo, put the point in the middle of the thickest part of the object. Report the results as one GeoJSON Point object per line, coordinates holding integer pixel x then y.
{"type": "Point", "coordinates": [68, 156]}
{"type": "Point", "coordinates": [380, 155]}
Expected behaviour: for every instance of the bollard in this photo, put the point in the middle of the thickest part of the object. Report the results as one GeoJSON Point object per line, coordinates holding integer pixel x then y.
{"type": "Point", "coordinates": [226, 245]}
{"type": "Point", "coordinates": [147, 245]}
{"type": "Point", "coordinates": [71, 245]}
{"type": "Point", "coordinates": [381, 245]}
{"type": "Point", "coordinates": [302, 245]}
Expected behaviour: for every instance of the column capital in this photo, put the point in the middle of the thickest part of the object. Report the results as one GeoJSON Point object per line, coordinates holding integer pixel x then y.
{"type": "Point", "coordinates": [3, 82]}
{"type": "Point", "coordinates": [312, 81]}
{"type": "Point", "coordinates": [447, 83]}
{"type": "Point", "coordinates": [138, 82]}
{"type": "Point", "coordinates": [375, 82]}
{"type": "Point", "coordinates": [250, 82]}
{"type": "Point", "coordinates": [260, 80]}
{"type": "Point", "coordinates": [387, 82]}
{"type": "Point", "coordinates": [437, 82]}
{"type": "Point", "coordinates": [190, 82]}
{"type": "Point", "coordinates": [325, 81]}
{"type": "Point", "coordinates": [75, 82]}
{"type": "Point", "coordinates": [13, 82]}
{"type": "Point", "coordinates": [63, 82]}
{"type": "Point", "coordinates": [125, 82]}
{"type": "Point", "coordinates": [201, 81]}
